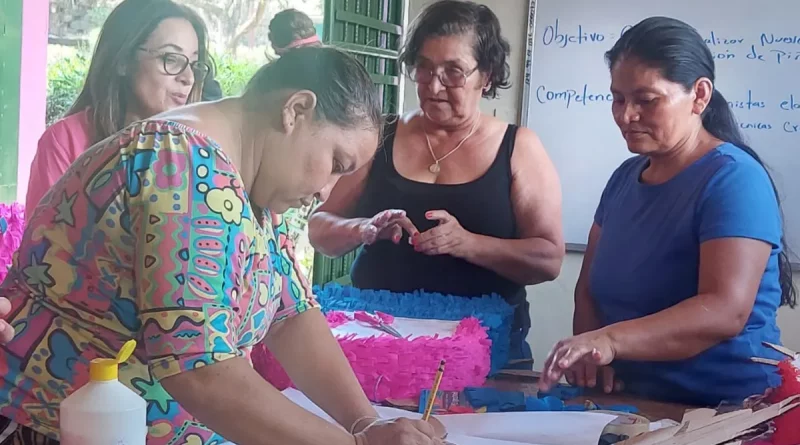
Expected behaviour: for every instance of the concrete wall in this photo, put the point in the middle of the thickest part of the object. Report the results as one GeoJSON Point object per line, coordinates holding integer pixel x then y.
{"type": "Point", "coordinates": [551, 303]}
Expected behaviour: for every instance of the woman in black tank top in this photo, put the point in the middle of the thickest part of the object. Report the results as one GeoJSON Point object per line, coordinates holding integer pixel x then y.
{"type": "Point", "coordinates": [454, 201]}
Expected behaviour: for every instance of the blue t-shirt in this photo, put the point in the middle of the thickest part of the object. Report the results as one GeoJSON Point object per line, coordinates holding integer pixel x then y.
{"type": "Point", "coordinates": [647, 260]}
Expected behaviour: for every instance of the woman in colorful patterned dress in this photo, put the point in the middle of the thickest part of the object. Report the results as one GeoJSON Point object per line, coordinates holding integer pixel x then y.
{"type": "Point", "coordinates": [170, 233]}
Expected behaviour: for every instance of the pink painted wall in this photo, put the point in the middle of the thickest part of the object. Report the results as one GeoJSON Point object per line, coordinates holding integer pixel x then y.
{"type": "Point", "coordinates": [33, 86]}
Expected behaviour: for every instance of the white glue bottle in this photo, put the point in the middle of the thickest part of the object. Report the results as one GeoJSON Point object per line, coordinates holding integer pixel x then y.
{"type": "Point", "coordinates": [104, 411]}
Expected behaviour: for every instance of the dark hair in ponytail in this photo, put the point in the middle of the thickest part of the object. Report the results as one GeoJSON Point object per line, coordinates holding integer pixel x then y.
{"type": "Point", "coordinates": [346, 95]}
{"type": "Point", "coordinates": [290, 25]}
{"type": "Point", "coordinates": [683, 57]}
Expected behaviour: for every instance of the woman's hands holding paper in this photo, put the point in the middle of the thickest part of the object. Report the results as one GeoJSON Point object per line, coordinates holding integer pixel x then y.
{"type": "Point", "coordinates": [580, 358]}
{"type": "Point", "coordinates": [402, 431]}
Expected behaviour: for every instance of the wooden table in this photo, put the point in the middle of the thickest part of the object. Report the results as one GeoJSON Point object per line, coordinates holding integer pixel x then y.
{"type": "Point", "coordinates": [647, 408]}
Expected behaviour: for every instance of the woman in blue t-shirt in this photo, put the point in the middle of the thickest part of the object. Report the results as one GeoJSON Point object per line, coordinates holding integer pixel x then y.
{"type": "Point", "coordinates": [685, 267]}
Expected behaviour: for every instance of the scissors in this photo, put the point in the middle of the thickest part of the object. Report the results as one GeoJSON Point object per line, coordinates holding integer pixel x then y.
{"type": "Point", "coordinates": [378, 321]}
{"type": "Point", "coordinates": [782, 349]}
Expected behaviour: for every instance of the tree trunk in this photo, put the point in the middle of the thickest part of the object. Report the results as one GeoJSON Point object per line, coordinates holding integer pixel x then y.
{"type": "Point", "coordinates": [250, 25]}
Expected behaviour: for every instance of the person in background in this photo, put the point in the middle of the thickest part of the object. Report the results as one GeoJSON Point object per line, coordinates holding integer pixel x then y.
{"type": "Point", "coordinates": [149, 57]}
{"type": "Point", "coordinates": [456, 202]}
{"type": "Point", "coordinates": [686, 263]}
{"type": "Point", "coordinates": [290, 29]}
{"type": "Point", "coordinates": [211, 88]}
{"type": "Point", "coordinates": [170, 232]}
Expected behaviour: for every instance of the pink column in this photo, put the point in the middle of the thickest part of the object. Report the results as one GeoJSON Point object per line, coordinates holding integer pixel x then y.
{"type": "Point", "coordinates": [33, 86]}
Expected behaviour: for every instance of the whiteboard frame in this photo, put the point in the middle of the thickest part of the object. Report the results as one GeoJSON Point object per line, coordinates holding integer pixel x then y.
{"type": "Point", "coordinates": [529, 46]}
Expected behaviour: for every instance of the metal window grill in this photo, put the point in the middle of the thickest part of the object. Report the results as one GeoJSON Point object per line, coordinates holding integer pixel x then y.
{"type": "Point", "coordinates": [371, 30]}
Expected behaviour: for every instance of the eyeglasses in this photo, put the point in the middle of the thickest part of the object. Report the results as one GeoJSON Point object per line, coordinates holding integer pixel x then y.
{"type": "Point", "coordinates": [450, 77]}
{"type": "Point", "coordinates": [176, 63]}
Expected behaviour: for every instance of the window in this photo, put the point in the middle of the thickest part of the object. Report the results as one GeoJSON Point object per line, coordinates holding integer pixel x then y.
{"type": "Point", "coordinates": [372, 30]}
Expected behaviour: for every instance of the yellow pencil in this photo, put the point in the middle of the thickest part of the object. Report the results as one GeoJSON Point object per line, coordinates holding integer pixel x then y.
{"type": "Point", "coordinates": [432, 397]}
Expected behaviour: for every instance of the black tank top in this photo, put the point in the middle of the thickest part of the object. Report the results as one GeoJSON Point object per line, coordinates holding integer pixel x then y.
{"type": "Point", "coordinates": [482, 206]}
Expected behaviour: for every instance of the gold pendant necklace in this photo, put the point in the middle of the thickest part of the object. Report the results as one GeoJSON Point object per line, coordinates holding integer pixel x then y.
{"type": "Point", "coordinates": [435, 168]}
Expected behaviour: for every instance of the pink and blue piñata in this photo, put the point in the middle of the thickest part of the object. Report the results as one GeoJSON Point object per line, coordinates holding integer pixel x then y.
{"type": "Point", "coordinates": [471, 334]}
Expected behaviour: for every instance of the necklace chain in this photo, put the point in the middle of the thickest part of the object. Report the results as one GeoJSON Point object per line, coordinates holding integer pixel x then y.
{"type": "Point", "coordinates": [434, 168]}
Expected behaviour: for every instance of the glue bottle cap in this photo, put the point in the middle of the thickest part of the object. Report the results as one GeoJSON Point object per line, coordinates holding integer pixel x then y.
{"type": "Point", "coordinates": [106, 369]}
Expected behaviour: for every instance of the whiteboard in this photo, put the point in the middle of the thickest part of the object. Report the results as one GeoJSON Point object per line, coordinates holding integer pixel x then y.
{"type": "Point", "coordinates": [568, 104]}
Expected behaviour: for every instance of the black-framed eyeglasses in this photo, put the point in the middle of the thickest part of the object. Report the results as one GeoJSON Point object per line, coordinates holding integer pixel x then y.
{"type": "Point", "coordinates": [450, 77]}
{"type": "Point", "coordinates": [176, 63]}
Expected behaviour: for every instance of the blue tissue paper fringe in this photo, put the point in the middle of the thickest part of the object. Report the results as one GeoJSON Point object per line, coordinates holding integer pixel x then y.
{"type": "Point", "coordinates": [493, 311]}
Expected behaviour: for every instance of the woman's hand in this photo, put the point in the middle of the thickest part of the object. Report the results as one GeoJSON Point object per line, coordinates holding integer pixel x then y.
{"type": "Point", "coordinates": [6, 330]}
{"type": "Point", "coordinates": [587, 375]}
{"type": "Point", "coordinates": [402, 431]}
{"type": "Point", "coordinates": [388, 224]}
{"type": "Point", "coordinates": [594, 348]}
{"type": "Point", "coordinates": [448, 238]}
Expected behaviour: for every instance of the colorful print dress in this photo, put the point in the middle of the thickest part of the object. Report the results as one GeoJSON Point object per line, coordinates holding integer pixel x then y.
{"type": "Point", "coordinates": [150, 236]}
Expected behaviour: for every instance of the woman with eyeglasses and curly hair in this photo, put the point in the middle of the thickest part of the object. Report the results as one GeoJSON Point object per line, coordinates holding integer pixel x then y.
{"type": "Point", "coordinates": [458, 202]}
{"type": "Point", "coordinates": [150, 57]}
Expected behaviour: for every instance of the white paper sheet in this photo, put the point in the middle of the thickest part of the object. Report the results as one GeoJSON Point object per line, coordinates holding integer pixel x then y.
{"type": "Point", "coordinates": [460, 439]}
{"type": "Point", "coordinates": [455, 439]}
{"type": "Point", "coordinates": [529, 428]}
{"type": "Point", "coordinates": [543, 428]}
{"type": "Point", "coordinates": [407, 327]}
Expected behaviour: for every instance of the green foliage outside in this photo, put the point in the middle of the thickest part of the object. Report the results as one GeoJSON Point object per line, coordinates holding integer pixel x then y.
{"type": "Point", "coordinates": [66, 71]}
{"type": "Point", "coordinates": [233, 73]}
{"type": "Point", "coordinates": [65, 77]}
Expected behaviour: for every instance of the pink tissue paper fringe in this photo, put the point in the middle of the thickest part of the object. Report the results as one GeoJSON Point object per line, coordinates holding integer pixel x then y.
{"type": "Point", "coordinates": [12, 225]}
{"type": "Point", "coordinates": [397, 368]}
{"type": "Point", "coordinates": [336, 319]}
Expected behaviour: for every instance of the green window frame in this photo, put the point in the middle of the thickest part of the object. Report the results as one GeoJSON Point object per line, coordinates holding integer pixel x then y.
{"type": "Point", "coordinates": [371, 30]}
{"type": "Point", "coordinates": [10, 65]}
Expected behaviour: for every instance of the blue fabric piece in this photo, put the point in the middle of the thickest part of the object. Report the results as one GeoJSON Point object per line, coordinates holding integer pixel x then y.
{"type": "Point", "coordinates": [494, 400]}
{"type": "Point", "coordinates": [564, 392]}
{"type": "Point", "coordinates": [519, 349]}
{"type": "Point", "coordinates": [492, 311]}
{"type": "Point", "coordinates": [647, 260]}
{"type": "Point", "coordinates": [550, 403]}
{"type": "Point", "coordinates": [621, 408]}
{"type": "Point", "coordinates": [574, 408]}
{"type": "Point", "coordinates": [544, 404]}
